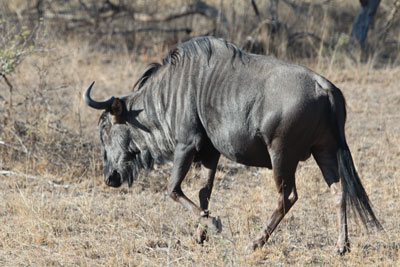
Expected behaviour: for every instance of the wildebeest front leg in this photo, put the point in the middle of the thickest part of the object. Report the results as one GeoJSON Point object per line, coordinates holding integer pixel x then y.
{"type": "Point", "coordinates": [213, 223]}
{"type": "Point", "coordinates": [183, 158]}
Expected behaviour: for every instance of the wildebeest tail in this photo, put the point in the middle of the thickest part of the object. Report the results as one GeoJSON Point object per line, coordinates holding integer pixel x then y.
{"type": "Point", "coordinates": [354, 192]}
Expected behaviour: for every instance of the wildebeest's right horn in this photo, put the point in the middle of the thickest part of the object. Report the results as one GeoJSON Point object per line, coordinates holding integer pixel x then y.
{"type": "Point", "coordinates": [94, 104]}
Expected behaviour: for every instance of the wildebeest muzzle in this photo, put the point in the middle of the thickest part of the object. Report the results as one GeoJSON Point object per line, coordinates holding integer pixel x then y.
{"type": "Point", "coordinates": [114, 180]}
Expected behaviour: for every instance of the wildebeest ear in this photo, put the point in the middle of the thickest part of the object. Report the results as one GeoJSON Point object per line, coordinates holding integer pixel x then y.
{"type": "Point", "coordinates": [116, 110]}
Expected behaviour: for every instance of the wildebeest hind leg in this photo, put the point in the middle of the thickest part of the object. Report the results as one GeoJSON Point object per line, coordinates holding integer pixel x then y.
{"type": "Point", "coordinates": [284, 167]}
{"type": "Point", "coordinates": [327, 162]}
{"type": "Point", "coordinates": [209, 164]}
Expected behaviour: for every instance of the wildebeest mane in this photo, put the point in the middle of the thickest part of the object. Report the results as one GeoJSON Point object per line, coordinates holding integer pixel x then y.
{"type": "Point", "coordinates": [189, 49]}
{"type": "Point", "coordinates": [149, 72]}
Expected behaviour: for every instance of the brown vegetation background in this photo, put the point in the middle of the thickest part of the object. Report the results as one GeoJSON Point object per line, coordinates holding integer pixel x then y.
{"type": "Point", "coordinates": [55, 209]}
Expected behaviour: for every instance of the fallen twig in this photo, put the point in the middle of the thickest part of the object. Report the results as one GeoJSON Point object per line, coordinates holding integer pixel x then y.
{"type": "Point", "coordinates": [33, 177]}
{"type": "Point", "coordinates": [20, 141]}
{"type": "Point", "coordinates": [13, 147]}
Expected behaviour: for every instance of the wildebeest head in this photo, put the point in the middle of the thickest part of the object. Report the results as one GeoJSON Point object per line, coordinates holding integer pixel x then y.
{"type": "Point", "coordinates": [122, 157]}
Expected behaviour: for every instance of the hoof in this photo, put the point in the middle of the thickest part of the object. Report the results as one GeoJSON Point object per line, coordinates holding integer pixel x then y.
{"type": "Point", "coordinates": [256, 244]}
{"type": "Point", "coordinates": [341, 250]}
{"type": "Point", "coordinates": [212, 224]}
{"type": "Point", "coordinates": [201, 234]}
{"type": "Point", "coordinates": [216, 224]}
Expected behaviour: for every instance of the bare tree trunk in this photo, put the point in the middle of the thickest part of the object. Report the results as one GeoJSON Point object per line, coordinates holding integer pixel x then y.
{"type": "Point", "coordinates": [362, 22]}
{"type": "Point", "coordinates": [273, 10]}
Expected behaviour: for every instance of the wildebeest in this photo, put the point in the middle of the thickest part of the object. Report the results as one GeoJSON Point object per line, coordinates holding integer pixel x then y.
{"type": "Point", "coordinates": [209, 98]}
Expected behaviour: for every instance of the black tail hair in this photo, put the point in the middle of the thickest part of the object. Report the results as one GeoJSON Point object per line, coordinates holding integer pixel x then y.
{"type": "Point", "coordinates": [354, 192]}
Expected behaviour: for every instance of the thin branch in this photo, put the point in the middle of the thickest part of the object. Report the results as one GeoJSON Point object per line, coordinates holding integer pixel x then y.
{"type": "Point", "coordinates": [147, 29]}
{"type": "Point", "coordinates": [255, 8]}
{"type": "Point", "coordinates": [299, 35]}
{"type": "Point", "coordinates": [20, 141]}
{"type": "Point", "coordinates": [291, 4]}
{"type": "Point", "coordinates": [115, 8]}
{"type": "Point", "coordinates": [273, 23]}
{"type": "Point", "coordinates": [85, 7]}
{"type": "Point", "coordinates": [303, 8]}
{"type": "Point", "coordinates": [88, 21]}
{"type": "Point", "coordinates": [165, 17]}
{"type": "Point", "coordinates": [273, 10]}
{"type": "Point", "coordinates": [390, 20]}
{"type": "Point", "coordinates": [9, 86]}
{"type": "Point", "coordinates": [199, 7]}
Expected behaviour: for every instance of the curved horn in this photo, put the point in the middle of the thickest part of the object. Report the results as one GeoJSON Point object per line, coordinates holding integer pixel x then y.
{"type": "Point", "coordinates": [94, 104]}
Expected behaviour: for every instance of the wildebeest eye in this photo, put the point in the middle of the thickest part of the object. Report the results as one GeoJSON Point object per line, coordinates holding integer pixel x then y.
{"type": "Point", "coordinates": [130, 156]}
{"type": "Point", "coordinates": [104, 155]}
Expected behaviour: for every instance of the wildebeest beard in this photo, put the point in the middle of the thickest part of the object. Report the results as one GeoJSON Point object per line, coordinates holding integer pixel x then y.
{"type": "Point", "coordinates": [122, 158]}
{"type": "Point", "coordinates": [128, 170]}
{"type": "Point", "coordinates": [142, 160]}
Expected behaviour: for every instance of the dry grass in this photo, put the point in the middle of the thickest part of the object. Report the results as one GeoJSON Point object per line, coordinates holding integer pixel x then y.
{"type": "Point", "coordinates": [55, 209]}
{"type": "Point", "coordinates": [58, 212]}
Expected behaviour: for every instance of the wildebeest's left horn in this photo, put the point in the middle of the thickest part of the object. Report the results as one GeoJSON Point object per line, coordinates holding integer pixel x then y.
{"type": "Point", "coordinates": [94, 104]}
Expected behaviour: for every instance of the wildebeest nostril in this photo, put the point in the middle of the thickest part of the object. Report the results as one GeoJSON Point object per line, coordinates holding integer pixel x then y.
{"type": "Point", "coordinates": [114, 179]}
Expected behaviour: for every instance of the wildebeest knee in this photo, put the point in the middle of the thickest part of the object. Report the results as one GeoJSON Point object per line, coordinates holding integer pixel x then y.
{"type": "Point", "coordinates": [174, 193]}
{"type": "Point", "coordinates": [204, 193]}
